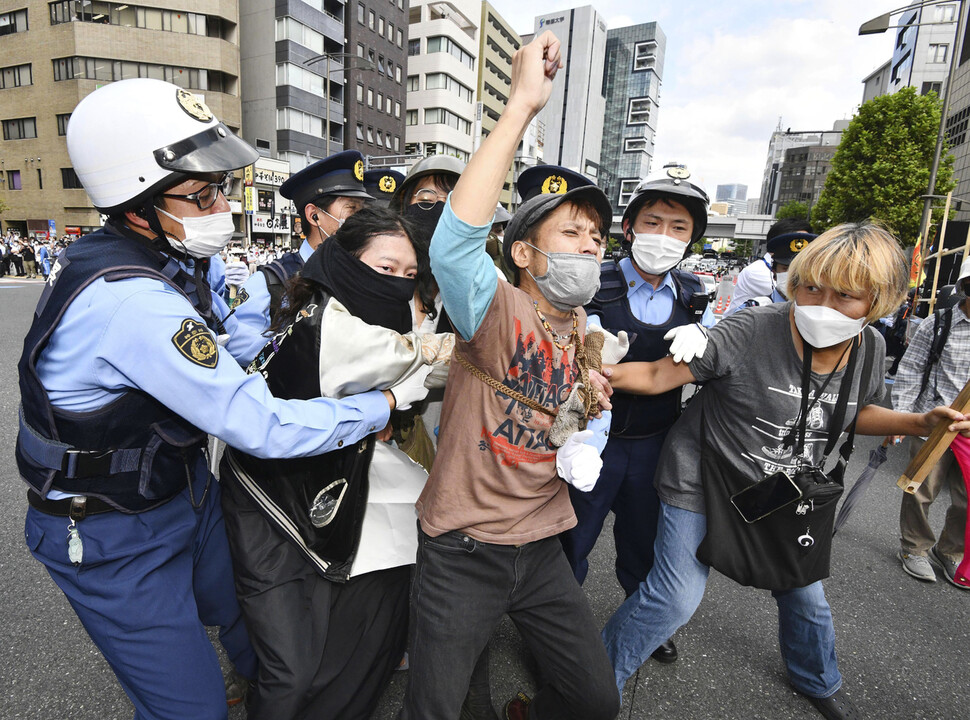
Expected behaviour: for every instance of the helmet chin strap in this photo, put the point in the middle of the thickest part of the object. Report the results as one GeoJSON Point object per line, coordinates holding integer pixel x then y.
{"type": "Point", "coordinates": [160, 242]}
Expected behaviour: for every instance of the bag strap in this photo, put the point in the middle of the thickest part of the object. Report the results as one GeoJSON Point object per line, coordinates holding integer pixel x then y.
{"type": "Point", "coordinates": [845, 451]}
{"type": "Point", "coordinates": [941, 330]}
{"type": "Point", "coordinates": [802, 419]}
{"type": "Point", "coordinates": [501, 387]}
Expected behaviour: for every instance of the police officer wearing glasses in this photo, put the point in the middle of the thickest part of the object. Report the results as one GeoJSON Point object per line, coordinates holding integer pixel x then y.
{"type": "Point", "coordinates": [129, 363]}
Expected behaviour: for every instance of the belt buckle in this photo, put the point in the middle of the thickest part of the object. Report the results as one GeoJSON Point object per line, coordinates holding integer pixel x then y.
{"type": "Point", "coordinates": [87, 463]}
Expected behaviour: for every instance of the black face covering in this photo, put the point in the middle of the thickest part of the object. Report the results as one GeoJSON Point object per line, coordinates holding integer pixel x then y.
{"type": "Point", "coordinates": [425, 220]}
{"type": "Point", "coordinates": [374, 297]}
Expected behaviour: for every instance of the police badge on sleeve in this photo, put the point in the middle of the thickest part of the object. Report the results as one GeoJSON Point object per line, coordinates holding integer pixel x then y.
{"type": "Point", "coordinates": [195, 342]}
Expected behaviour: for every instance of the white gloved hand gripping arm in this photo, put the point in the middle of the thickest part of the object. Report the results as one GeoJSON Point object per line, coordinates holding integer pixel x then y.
{"type": "Point", "coordinates": [615, 347]}
{"type": "Point", "coordinates": [579, 464]}
{"type": "Point", "coordinates": [687, 342]}
{"type": "Point", "coordinates": [236, 273]}
{"type": "Point", "coordinates": [412, 389]}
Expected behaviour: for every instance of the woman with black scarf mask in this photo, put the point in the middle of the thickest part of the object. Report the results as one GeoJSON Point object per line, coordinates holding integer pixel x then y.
{"type": "Point", "coordinates": [322, 580]}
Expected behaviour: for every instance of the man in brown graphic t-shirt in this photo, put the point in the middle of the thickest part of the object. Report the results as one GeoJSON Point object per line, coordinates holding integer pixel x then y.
{"type": "Point", "coordinates": [496, 498]}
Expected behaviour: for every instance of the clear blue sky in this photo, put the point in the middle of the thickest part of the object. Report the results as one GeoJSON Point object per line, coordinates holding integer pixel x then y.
{"type": "Point", "coordinates": [732, 69]}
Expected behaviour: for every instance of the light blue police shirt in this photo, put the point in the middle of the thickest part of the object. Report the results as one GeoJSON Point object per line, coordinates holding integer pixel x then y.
{"type": "Point", "coordinates": [254, 311]}
{"type": "Point", "coordinates": [118, 336]}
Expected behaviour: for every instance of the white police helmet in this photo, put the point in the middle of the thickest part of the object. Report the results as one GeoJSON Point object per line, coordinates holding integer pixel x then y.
{"type": "Point", "coordinates": [672, 183]}
{"type": "Point", "coordinates": [131, 139]}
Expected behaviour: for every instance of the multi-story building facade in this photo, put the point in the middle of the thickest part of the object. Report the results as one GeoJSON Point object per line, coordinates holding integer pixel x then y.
{"type": "Point", "coordinates": [804, 172]}
{"type": "Point", "coordinates": [285, 78]}
{"type": "Point", "coordinates": [876, 83]}
{"type": "Point", "coordinates": [497, 44]}
{"type": "Point", "coordinates": [958, 117]}
{"type": "Point", "coordinates": [442, 77]}
{"type": "Point", "coordinates": [377, 34]}
{"type": "Point", "coordinates": [736, 197]}
{"type": "Point", "coordinates": [53, 54]}
{"type": "Point", "coordinates": [574, 116]}
{"type": "Point", "coordinates": [782, 141]}
{"type": "Point", "coordinates": [631, 85]}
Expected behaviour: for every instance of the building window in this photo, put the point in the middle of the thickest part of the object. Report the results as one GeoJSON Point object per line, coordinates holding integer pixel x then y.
{"type": "Point", "coordinates": [390, 32]}
{"type": "Point", "coordinates": [397, 74]}
{"type": "Point", "coordinates": [360, 92]}
{"type": "Point", "coordinates": [945, 13]}
{"type": "Point", "coordinates": [299, 77]}
{"type": "Point", "coordinates": [13, 180]}
{"type": "Point", "coordinates": [929, 87]}
{"type": "Point", "coordinates": [414, 83]}
{"type": "Point", "coordinates": [380, 66]}
{"type": "Point", "coordinates": [626, 191]}
{"type": "Point", "coordinates": [360, 50]}
{"type": "Point", "coordinates": [938, 52]}
{"type": "Point", "coordinates": [443, 81]}
{"type": "Point", "coordinates": [380, 101]}
{"type": "Point", "coordinates": [370, 135]}
{"type": "Point", "coordinates": [380, 139]}
{"type": "Point", "coordinates": [360, 13]}
{"type": "Point", "coordinates": [635, 145]}
{"type": "Point", "coordinates": [411, 117]}
{"type": "Point", "coordinates": [20, 129]}
{"type": "Point", "coordinates": [414, 47]}
{"type": "Point", "coordinates": [299, 121]}
{"type": "Point", "coordinates": [16, 76]}
{"type": "Point", "coordinates": [400, 37]}
{"type": "Point", "coordinates": [380, 28]}
{"type": "Point", "coordinates": [62, 121]}
{"type": "Point", "coordinates": [639, 111]}
{"type": "Point", "coordinates": [388, 107]}
{"type": "Point", "coordinates": [370, 19]}
{"type": "Point", "coordinates": [69, 179]}
{"type": "Point", "coordinates": [441, 116]}
{"type": "Point", "coordinates": [644, 55]}
{"type": "Point", "coordinates": [441, 43]}
{"type": "Point", "coordinates": [370, 97]}
{"type": "Point", "coordinates": [73, 68]}
{"type": "Point", "coordinates": [116, 13]}
{"type": "Point", "coordinates": [397, 143]}
{"type": "Point", "coordinates": [360, 132]}
{"type": "Point", "coordinates": [13, 22]}
{"type": "Point", "coordinates": [397, 109]}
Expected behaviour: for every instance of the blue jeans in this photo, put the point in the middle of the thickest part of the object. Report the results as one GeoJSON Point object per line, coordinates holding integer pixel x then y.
{"type": "Point", "coordinates": [667, 599]}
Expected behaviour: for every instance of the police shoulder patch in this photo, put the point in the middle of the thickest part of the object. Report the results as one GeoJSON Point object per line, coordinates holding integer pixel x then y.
{"type": "Point", "coordinates": [195, 342]}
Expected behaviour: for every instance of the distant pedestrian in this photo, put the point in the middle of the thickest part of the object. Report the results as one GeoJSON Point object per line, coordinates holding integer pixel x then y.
{"type": "Point", "coordinates": [30, 264]}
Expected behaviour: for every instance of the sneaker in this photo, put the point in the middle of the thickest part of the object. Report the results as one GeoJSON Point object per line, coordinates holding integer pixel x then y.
{"type": "Point", "coordinates": [238, 687]}
{"type": "Point", "coordinates": [948, 566]}
{"type": "Point", "coordinates": [918, 566]}
{"type": "Point", "coordinates": [836, 706]}
{"type": "Point", "coordinates": [518, 707]}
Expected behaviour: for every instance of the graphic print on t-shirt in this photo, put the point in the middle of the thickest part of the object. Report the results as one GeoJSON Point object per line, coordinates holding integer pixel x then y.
{"type": "Point", "coordinates": [536, 373]}
{"type": "Point", "coordinates": [773, 455]}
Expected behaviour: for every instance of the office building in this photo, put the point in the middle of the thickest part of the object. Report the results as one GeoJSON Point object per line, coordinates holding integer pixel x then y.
{"type": "Point", "coordinates": [497, 43]}
{"type": "Point", "coordinates": [53, 54]}
{"type": "Point", "coordinates": [284, 72]}
{"type": "Point", "coordinates": [958, 119]}
{"type": "Point", "coordinates": [803, 174]}
{"type": "Point", "coordinates": [736, 197]}
{"type": "Point", "coordinates": [376, 96]}
{"type": "Point", "coordinates": [442, 77]}
{"type": "Point", "coordinates": [877, 82]}
{"type": "Point", "coordinates": [631, 86]}
{"type": "Point", "coordinates": [574, 115]}
{"type": "Point", "coordinates": [782, 141]}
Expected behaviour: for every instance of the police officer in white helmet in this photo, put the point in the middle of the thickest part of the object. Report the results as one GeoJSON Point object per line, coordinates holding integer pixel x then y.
{"type": "Point", "coordinates": [128, 365]}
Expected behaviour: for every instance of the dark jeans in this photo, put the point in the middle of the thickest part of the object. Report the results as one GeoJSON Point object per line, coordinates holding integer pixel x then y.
{"type": "Point", "coordinates": [461, 589]}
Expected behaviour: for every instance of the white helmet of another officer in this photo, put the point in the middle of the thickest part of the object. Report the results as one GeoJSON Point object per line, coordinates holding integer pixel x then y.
{"type": "Point", "coordinates": [131, 139]}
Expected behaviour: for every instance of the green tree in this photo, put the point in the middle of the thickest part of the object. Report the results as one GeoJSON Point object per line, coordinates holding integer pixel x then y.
{"type": "Point", "coordinates": [882, 166]}
{"type": "Point", "coordinates": [792, 209]}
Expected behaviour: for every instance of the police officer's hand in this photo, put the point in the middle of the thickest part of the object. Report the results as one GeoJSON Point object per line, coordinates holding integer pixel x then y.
{"type": "Point", "coordinates": [534, 66]}
{"type": "Point", "coordinates": [579, 464]}
{"type": "Point", "coordinates": [687, 342]}
{"type": "Point", "coordinates": [236, 273]}
{"type": "Point", "coordinates": [412, 389]}
{"type": "Point", "coordinates": [615, 347]}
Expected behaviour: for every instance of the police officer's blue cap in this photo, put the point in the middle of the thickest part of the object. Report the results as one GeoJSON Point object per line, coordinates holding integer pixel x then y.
{"type": "Point", "coordinates": [549, 179]}
{"type": "Point", "coordinates": [382, 183]}
{"type": "Point", "coordinates": [537, 207]}
{"type": "Point", "coordinates": [784, 248]}
{"type": "Point", "coordinates": [341, 174]}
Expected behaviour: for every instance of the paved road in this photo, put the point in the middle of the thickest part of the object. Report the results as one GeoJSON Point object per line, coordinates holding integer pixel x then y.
{"type": "Point", "coordinates": [903, 645]}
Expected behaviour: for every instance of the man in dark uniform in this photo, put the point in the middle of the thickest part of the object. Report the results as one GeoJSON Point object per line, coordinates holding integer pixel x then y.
{"type": "Point", "coordinates": [325, 194]}
{"type": "Point", "coordinates": [647, 298]}
{"type": "Point", "coordinates": [382, 183]}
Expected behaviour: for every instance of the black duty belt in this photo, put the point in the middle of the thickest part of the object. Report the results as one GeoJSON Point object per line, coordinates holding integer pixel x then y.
{"type": "Point", "coordinates": [76, 508]}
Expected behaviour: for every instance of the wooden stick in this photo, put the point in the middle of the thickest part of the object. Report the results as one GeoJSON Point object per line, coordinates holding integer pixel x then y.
{"type": "Point", "coordinates": [934, 447]}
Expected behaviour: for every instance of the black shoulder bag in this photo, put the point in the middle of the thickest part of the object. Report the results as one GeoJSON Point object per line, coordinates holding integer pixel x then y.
{"type": "Point", "coordinates": [776, 534]}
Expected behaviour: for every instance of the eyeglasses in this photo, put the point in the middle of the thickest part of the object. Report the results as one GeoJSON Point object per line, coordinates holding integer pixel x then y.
{"type": "Point", "coordinates": [427, 197]}
{"type": "Point", "coordinates": [207, 196]}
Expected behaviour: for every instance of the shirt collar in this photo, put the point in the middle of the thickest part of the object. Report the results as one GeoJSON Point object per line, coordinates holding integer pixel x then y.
{"type": "Point", "coordinates": [305, 250]}
{"type": "Point", "coordinates": [634, 281]}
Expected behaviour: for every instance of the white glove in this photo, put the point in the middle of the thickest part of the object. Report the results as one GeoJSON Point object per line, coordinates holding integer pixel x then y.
{"type": "Point", "coordinates": [412, 389]}
{"type": "Point", "coordinates": [687, 342]}
{"type": "Point", "coordinates": [579, 464]}
{"type": "Point", "coordinates": [615, 347]}
{"type": "Point", "coordinates": [236, 273]}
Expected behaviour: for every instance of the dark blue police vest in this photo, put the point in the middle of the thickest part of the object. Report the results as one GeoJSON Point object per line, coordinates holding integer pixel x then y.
{"type": "Point", "coordinates": [639, 416]}
{"type": "Point", "coordinates": [134, 453]}
{"type": "Point", "coordinates": [276, 274]}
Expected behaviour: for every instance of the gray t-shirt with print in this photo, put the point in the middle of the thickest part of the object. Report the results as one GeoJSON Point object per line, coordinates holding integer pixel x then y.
{"type": "Point", "coordinates": [749, 403]}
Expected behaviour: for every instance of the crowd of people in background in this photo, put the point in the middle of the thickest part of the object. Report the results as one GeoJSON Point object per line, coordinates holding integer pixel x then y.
{"type": "Point", "coordinates": [29, 258]}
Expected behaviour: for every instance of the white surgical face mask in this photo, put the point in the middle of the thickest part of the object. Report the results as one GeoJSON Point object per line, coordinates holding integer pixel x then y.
{"type": "Point", "coordinates": [339, 221]}
{"type": "Point", "coordinates": [205, 235]}
{"type": "Point", "coordinates": [656, 254]}
{"type": "Point", "coordinates": [571, 279]}
{"type": "Point", "coordinates": [781, 283]}
{"type": "Point", "coordinates": [821, 326]}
